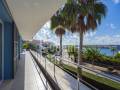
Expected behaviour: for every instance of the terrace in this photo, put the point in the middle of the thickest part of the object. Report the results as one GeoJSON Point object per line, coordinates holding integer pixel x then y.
{"type": "Point", "coordinates": [43, 68]}
{"type": "Point", "coordinates": [30, 77]}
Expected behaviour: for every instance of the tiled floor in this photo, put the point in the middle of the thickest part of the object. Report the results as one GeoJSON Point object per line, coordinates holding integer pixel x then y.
{"type": "Point", "coordinates": [27, 76]}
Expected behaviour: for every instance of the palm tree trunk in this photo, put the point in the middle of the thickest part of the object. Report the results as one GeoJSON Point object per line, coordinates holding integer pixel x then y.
{"type": "Point", "coordinates": [80, 56]}
{"type": "Point", "coordinates": [113, 53]}
{"type": "Point", "coordinates": [60, 49]}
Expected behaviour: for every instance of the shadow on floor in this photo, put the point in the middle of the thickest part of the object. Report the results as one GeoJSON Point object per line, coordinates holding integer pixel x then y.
{"type": "Point", "coordinates": [18, 82]}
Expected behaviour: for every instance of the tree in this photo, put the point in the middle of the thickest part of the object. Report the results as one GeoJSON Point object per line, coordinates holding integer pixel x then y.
{"type": "Point", "coordinates": [57, 24]}
{"type": "Point", "coordinates": [113, 49]}
{"type": "Point", "coordinates": [92, 54]}
{"type": "Point", "coordinates": [83, 16]}
{"type": "Point", "coordinates": [28, 45]}
{"type": "Point", "coordinates": [117, 55]}
{"type": "Point", "coordinates": [72, 52]}
{"type": "Point", "coordinates": [52, 49]}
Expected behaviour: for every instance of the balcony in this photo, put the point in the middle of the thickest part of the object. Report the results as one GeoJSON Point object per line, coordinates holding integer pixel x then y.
{"type": "Point", "coordinates": [29, 70]}
{"type": "Point", "coordinates": [30, 77]}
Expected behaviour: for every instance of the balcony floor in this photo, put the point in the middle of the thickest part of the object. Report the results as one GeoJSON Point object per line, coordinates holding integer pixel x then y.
{"type": "Point", "coordinates": [27, 76]}
{"type": "Point", "coordinates": [63, 79]}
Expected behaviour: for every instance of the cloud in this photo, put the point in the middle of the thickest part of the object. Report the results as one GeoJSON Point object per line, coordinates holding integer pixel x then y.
{"type": "Point", "coordinates": [90, 34]}
{"type": "Point", "coordinates": [117, 36]}
{"type": "Point", "coordinates": [90, 38]}
{"type": "Point", "coordinates": [103, 40]}
{"type": "Point", "coordinates": [116, 1]}
{"type": "Point", "coordinates": [111, 26]}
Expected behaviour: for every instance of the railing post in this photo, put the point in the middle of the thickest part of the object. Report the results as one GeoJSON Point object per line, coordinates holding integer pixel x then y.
{"type": "Point", "coordinates": [37, 56]}
{"type": "Point", "coordinates": [78, 77]}
{"type": "Point", "coordinates": [46, 85]}
{"type": "Point", "coordinates": [54, 66]}
{"type": "Point", "coordinates": [45, 62]}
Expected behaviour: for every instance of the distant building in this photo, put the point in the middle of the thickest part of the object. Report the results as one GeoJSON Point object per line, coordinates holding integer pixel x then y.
{"type": "Point", "coordinates": [36, 42]}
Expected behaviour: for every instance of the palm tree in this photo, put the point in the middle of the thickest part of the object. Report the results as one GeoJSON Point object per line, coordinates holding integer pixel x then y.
{"type": "Point", "coordinates": [92, 54]}
{"type": "Point", "coordinates": [57, 24]}
{"type": "Point", "coordinates": [60, 31]}
{"type": "Point", "coordinates": [72, 52]}
{"type": "Point", "coordinates": [82, 16]}
{"type": "Point", "coordinates": [113, 49]}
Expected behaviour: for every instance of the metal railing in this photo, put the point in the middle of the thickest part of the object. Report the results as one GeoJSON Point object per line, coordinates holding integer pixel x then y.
{"type": "Point", "coordinates": [49, 81]}
{"type": "Point", "coordinates": [43, 79]}
{"type": "Point", "coordinates": [75, 76]}
{"type": "Point", "coordinates": [55, 60]}
{"type": "Point", "coordinates": [90, 69]}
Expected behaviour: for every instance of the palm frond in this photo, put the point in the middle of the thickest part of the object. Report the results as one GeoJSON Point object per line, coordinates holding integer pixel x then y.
{"type": "Point", "coordinates": [60, 30]}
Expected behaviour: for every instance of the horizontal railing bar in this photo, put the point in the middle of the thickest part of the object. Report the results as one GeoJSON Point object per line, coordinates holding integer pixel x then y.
{"type": "Point", "coordinates": [38, 70]}
{"type": "Point", "coordinates": [84, 82]}
{"type": "Point", "coordinates": [82, 66]}
{"type": "Point", "coordinates": [81, 80]}
{"type": "Point", "coordinates": [51, 82]}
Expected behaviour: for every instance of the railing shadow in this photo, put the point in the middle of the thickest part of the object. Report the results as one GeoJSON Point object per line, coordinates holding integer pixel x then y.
{"type": "Point", "coordinates": [51, 82]}
{"type": "Point", "coordinates": [44, 81]}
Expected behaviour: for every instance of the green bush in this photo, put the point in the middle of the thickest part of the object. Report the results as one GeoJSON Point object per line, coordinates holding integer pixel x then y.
{"type": "Point", "coordinates": [117, 56]}
{"type": "Point", "coordinates": [52, 49]}
{"type": "Point", "coordinates": [28, 45]}
{"type": "Point", "coordinates": [113, 49]}
{"type": "Point", "coordinates": [93, 54]}
{"type": "Point", "coordinates": [100, 82]}
{"type": "Point", "coordinates": [72, 52]}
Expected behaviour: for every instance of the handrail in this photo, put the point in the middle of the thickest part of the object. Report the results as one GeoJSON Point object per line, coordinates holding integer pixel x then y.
{"type": "Point", "coordinates": [82, 66]}
{"type": "Point", "coordinates": [38, 70]}
{"type": "Point", "coordinates": [81, 80]}
{"type": "Point", "coordinates": [51, 82]}
{"type": "Point", "coordinates": [55, 58]}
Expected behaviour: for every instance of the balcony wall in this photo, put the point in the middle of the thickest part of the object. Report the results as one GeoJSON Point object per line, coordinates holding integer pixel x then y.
{"type": "Point", "coordinates": [11, 36]}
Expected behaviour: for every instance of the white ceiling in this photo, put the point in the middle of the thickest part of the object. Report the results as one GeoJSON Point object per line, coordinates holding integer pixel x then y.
{"type": "Point", "coordinates": [31, 15]}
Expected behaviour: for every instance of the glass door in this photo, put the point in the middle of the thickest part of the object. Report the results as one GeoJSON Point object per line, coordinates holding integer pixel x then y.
{"type": "Point", "coordinates": [0, 51]}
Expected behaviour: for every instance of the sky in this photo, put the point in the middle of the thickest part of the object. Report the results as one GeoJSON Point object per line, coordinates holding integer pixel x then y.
{"type": "Point", "coordinates": [107, 33]}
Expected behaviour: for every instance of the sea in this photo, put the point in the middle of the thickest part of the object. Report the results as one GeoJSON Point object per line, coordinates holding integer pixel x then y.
{"type": "Point", "coordinates": [107, 51]}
